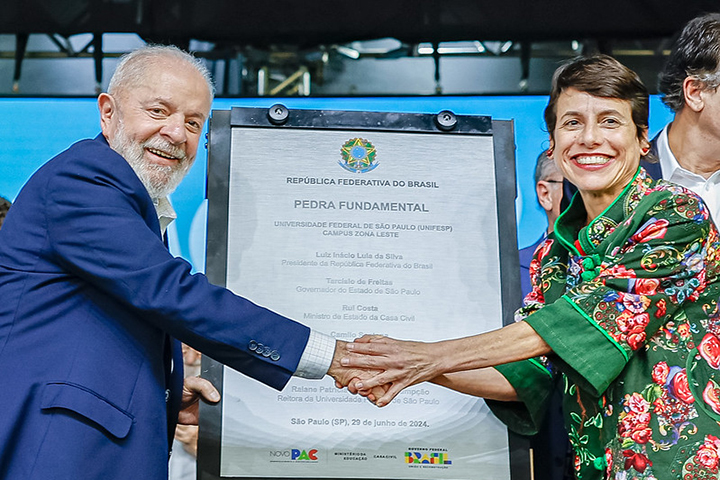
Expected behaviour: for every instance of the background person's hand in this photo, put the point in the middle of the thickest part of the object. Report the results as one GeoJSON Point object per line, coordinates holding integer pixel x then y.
{"type": "Point", "coordinates": [194, 389]}
{"type": "Point", "coordinates": [187, 435]}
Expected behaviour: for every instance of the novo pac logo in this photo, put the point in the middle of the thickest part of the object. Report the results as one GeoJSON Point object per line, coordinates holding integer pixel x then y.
{"type": "Point", "coordinates": [428, 458]}
{"type": "Point", "coordinates": [294, 455]}
{"type": "Point", "coordinates": [358, 156]}
{"type": "Point", "coordinates": [299, 455]}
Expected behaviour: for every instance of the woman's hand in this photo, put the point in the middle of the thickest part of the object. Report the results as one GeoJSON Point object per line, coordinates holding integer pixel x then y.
{"type": "Point", "coordinates": [345, 376]}
{"type": "Point", "coordinates": [403, 364]}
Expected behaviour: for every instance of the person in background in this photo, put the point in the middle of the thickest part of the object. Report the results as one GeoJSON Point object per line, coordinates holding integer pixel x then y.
{"type": "Point", "coordinates": [688, 148]}
{"type": "Point", "coordinates": [548, 188]}
{"type": "Point", "coordinates": [4, 207]}
{"type": "Point", "coordinates": [623, 316]}
{"type": "Point", "coordinates": [94, 305]}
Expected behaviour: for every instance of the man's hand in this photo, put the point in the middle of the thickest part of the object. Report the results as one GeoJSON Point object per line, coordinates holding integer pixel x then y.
{"type": "Point", "coordinates": [194, 389]}
{"type": "Point", "coordinates": [348, 377]}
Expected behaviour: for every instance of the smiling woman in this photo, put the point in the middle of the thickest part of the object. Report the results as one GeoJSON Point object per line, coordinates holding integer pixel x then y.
{"type": "Point", "coordinates": [623, 315]}
{"type": "Point", "coordinates": [598, 131]}
{"type": "Point", "coordinates": [595, 147]}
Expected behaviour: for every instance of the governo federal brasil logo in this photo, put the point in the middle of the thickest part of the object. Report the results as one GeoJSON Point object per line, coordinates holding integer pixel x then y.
{"type": "Point", "coordinates": [358, 156]}
{"type": "Point", "coordinates": [427, 458]}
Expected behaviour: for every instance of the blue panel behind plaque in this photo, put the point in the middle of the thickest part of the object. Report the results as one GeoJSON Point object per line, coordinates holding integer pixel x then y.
{"type": "Point", "coordinates": [32, 130]}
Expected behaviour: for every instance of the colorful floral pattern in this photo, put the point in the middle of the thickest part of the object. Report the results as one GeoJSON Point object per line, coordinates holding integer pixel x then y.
{"type": "Point", "coordinates": [645, 275]}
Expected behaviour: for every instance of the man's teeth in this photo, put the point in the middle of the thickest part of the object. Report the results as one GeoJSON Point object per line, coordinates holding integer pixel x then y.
{"type": "Point", "coordinates": [596, 160]}
{"type": "Point", "coordinates": [160, 153]}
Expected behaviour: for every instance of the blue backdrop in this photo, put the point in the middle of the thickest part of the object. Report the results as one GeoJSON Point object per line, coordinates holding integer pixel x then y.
{"type": "Point", "coordinates": [33, 130]}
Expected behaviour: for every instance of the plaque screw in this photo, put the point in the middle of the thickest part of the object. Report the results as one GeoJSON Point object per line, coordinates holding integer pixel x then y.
{"type": "Point", "coordinates": [446, 120]}
{"type": "Point", "coordinates": [278, 114]}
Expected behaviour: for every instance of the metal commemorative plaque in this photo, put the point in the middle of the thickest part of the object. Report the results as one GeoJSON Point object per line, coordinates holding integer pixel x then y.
{"type": "Point", "coordinates": [358, 223]}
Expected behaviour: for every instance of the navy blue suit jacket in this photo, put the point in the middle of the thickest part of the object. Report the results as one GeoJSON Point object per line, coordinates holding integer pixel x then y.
{"type": "Point", "coordinates": [89, 298]}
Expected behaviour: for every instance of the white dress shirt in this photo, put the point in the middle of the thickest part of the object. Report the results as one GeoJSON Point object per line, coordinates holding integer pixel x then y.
{"type": "Point", "coordinates": [708, 189]}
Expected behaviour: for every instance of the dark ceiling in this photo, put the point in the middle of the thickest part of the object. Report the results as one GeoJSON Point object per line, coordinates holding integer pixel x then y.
{"type": "Point", "coordinates": [308, 23]}
{"type": "Point", "coordinates": [288, 35]}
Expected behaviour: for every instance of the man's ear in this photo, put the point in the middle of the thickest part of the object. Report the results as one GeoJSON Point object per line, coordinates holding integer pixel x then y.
{"type": "Point", "coordinates": [108, 110]}
{"type": "Point", "coordinates": [545, 193]}
{"type": "Point", "coordinates": [692, 90]}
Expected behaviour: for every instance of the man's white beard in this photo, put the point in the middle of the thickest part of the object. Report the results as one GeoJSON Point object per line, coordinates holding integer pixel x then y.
{"type": "Point", "coordinates": [159, 180]}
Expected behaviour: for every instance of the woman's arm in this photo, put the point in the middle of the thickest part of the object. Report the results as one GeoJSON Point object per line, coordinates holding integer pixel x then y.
{"type": "Point", "coordinates": [407, 363]}
{"type": "Point", "coordinates": [483, 382]}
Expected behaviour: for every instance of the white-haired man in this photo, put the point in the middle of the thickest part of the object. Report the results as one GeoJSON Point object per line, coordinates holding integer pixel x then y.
{"type": "Point", "coordinates": [93, 302]}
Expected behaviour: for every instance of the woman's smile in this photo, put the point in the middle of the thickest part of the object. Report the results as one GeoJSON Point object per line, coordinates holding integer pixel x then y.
{"type": "Point", "coordinates": [596, 146]}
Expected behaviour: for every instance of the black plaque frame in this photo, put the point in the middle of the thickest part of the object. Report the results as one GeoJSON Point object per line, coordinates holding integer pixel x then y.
{"type": "Point", "coordinates": [277, 116]}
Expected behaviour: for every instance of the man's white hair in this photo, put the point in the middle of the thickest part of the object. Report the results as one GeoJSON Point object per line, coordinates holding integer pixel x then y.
{"type": "Point", "coordinates": [130, 71]}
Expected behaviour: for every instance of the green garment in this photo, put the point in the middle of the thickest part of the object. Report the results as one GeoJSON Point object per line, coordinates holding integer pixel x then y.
{"type": "Point", "coordinates": [629, 307]}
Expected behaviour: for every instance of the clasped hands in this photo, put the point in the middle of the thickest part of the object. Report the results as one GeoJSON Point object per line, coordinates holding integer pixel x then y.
{"type": "Point", "coordinates": [373, 366]}
{"type": "Point", "coordinates": [379, 368]}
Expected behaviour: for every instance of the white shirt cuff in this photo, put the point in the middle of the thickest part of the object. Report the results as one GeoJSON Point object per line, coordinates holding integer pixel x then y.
{"type": "Point", "coordinates": [317, 357]}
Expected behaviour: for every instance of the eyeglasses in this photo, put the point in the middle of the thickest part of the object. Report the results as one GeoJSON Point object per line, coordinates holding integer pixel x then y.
{"type": "Point", "coordinates": [553, 181]}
